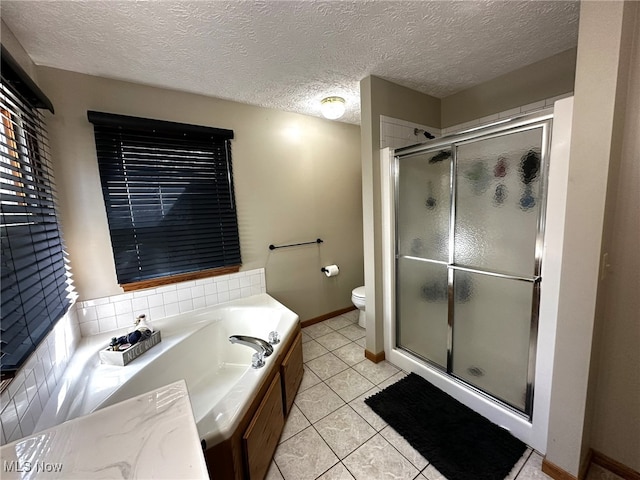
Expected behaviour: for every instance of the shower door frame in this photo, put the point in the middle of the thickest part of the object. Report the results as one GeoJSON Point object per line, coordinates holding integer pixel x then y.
{"type": "Point", "coordinates": [541, 119]}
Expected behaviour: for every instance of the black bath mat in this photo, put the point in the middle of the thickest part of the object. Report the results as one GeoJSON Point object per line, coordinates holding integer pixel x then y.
{"type": "Point", "coordinates": [459, 442]}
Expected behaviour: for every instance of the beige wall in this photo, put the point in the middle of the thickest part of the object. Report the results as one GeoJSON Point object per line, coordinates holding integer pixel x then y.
{"type": "Point", "coordinates": [594, 143]}
{"type": "Point", "coordinates": [296, 178]}
{"type": "Point", "coordinates": [544, 79]}
{"type": "Point", "coordinates": [614, 389]}
{"type": "Point", "coordinates": [381, 97]}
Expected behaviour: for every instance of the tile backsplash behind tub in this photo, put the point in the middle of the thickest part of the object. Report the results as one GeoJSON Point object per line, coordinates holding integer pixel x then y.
{"type": "Point", "coordinates": [23, 400]}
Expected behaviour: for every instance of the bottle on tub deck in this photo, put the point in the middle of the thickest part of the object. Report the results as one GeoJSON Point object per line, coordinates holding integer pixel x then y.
{"type": "Point", "coordinates": [142, 332]}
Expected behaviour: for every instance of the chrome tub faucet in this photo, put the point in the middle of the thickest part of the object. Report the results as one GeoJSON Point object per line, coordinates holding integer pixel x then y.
{"type": "Point", "coordinates": [262, 348]}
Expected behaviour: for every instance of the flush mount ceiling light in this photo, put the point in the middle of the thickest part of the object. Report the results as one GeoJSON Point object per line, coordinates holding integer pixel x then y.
{"type": "Point", "coordinates": [332, 107]}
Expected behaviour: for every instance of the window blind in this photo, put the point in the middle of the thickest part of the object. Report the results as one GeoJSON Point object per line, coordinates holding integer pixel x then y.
{"type": "Point", "coordinates": [36, 290]}
{"type": "Point", "coordinates": [169, 196]}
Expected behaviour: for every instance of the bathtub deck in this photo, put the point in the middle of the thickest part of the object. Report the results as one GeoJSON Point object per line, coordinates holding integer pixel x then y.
{"type": "Point", "coordinates": [331, 433]}
{"type": "Point", "coordinates": [202, 396]}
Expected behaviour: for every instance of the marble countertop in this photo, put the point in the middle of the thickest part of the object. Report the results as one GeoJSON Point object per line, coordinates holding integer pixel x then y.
{"type": "Point", "coordinates": [150, 436]}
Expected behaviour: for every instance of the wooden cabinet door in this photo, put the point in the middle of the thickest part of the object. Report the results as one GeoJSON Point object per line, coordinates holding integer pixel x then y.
{"type": "Point", "coordinates": [292, 371]}
{"type": "Point", "coordinates": [261, 437]}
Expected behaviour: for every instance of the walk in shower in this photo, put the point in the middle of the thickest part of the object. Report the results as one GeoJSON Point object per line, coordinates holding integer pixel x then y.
{"type": "Point", "coordinates": [467, 214]}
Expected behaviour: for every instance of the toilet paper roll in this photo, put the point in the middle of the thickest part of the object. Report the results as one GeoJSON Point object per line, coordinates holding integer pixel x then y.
{"type": "Point", "coordinates": [331, 270]}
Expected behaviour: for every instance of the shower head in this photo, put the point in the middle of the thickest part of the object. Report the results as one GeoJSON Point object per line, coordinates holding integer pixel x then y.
{"type": "Point", "coordinates": [420, 131]}
{"type": "Point", "coordinates": [440, 156]}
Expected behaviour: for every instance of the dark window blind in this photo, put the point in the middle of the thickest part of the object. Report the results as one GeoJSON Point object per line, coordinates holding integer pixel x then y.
{"type": "Point", "coordinates": [36, 290]}
{"type": "Point", "coordinates": [169, 197]}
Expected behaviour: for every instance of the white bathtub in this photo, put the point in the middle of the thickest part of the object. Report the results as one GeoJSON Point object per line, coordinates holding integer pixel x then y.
{"type": "Point", "coordinates": [195, 347]}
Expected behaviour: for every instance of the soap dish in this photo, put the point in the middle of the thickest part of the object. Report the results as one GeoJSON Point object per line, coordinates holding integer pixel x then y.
{"type": "Point", "coordinates": [123, 357]}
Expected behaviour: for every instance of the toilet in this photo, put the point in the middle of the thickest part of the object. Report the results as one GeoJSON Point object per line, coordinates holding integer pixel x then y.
{"type": "Point", "coordinates": [358, 299]}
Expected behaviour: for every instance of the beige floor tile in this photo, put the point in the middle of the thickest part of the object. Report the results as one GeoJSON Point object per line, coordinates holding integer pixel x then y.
{"type": "Point", "coordinates": [365, 411]}
{"type": "Point", "coordinates": [349, 384]}
{"type": "Point", "coordinates": [532, 469]}
{"type": "Point", "coordinates": [352, 315]}
{"type": "Point", "coordinates": [344, 431]}
{"type": "Point", "coordinates": [309, 379]}
{"type": "Point", "coordinates": [332, 340]}
{"type": "Point", "coordinates": [326, 366]}
{"type": "Point", "coordinates": [350, 354]}
{"type": "Point", "coordinates": [376, 372]}
{"type": "Point", "coordinates": [337, 472]}
{"type": "Point", "coordinates": [311, 350]}
{"type": "Point", "coordinates": [273, 473]}
{"type": "Point", "coordinates": [306, 337]}
{"type": "Point", "coordinates": [392, 379]}
{"type": "Point", "coordinates": [338, 322]}
{"type": "Point", "coordinates": [318, 402]}
{"type": "Point", "coordinates": [377, 459]}
{"type": "Point", "coordinates": [519, 464]}
{"type": "Point", "coordinates": [317, 330]}
{"type": "Point", "coordinates": [353, 332]}
{"type": "Point", "coordinates": [304, 456]}
{"type": "Point", "coordinates": [431, 473]}
{"type": "Point", "coordinates": [296, 422]}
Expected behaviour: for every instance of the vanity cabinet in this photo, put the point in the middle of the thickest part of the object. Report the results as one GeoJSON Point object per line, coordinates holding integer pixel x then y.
{"type": "Point", "coordinates": [247, 454]}
{"type": "Point", "coordinates": [291, 372]}
{"type": "Point", "coordinates": [261, 437]}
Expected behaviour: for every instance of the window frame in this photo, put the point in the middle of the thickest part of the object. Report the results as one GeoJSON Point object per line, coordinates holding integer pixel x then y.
{"type": "Point", "coordinates": [119, 155]}
{"type": "Point", "coordinates": [36, 283]}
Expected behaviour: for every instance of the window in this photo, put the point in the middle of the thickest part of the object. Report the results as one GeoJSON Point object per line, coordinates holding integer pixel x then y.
{"type": "Point", "coordinates": [168, 193]}
{"type": "Point", "coordinates": [36, 290]}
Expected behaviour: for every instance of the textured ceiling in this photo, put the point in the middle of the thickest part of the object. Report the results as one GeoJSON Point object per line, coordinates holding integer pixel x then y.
{"type": "Point", "coordinates": [289, 54]}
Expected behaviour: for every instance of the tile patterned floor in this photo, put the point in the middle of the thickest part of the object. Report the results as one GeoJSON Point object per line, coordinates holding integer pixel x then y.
{"type": "Point", "coordinates": [331, 434]}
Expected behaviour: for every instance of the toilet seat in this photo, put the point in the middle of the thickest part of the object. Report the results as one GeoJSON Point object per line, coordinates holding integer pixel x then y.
{"type": "Point", "coordinates": [358, 292]}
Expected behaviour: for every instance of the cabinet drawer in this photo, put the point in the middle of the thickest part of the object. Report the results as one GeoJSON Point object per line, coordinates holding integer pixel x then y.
{"type": "Point", "coordinates": [292, 371]}
{"type": "Point", "coordinates": [261, 437]}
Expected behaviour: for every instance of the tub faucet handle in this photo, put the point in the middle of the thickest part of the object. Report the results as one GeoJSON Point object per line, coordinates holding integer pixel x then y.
{"type": "Point", "coordinates": [257, 360]}
{"type": "Point", "coordinates": [274, 337]}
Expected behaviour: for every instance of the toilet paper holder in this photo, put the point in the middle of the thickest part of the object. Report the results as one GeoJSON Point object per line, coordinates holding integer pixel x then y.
{"type": "Point", "coordinates": [330, 270]}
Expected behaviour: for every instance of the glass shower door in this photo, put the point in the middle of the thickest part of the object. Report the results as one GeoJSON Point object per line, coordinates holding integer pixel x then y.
{"type": "Point", "coordinates": [497, 220]}
{"type": "Point", "coordinates": [423, 208]}
{"type": "Point", "coordinates": [468, 256]}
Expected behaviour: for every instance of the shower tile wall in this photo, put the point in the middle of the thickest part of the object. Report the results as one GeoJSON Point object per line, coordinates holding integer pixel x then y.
{"type": "Point", "coordinates": [396, 133]}
{"type": "Point", "coordinates": [22, 402]}
{"type": "Point", "coordinates": [529, 108]}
